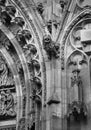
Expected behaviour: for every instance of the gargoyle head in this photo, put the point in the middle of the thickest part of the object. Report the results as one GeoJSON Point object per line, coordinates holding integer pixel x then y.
{"type": "Point", "coordinates": [47, 40]}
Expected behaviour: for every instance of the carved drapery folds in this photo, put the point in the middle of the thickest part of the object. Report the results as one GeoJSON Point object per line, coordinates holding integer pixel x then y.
{"type": "Point", "coordinates": [50, 47]}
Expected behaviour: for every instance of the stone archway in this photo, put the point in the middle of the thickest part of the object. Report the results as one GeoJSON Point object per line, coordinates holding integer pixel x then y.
{"type": "Point", "coordinates": [20, 48]}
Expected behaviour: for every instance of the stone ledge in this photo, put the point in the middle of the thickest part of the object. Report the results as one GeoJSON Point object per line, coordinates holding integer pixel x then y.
{"type": "Point", "coordinates": [54, 99]}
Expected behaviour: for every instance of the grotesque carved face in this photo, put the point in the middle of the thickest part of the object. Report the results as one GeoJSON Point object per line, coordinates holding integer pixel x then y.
{"type": "Point", "coordinates": [46, 40]}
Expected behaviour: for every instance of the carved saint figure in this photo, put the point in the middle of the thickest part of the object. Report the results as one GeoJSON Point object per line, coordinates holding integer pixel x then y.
{"type": "Point", "coordinates": [10, 103]}
{"type": "Point", "coordinates": [76, 87]}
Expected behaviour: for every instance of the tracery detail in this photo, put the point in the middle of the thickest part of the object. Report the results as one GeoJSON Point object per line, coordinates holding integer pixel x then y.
{"type": "Point", "coordinates": [76, 55]}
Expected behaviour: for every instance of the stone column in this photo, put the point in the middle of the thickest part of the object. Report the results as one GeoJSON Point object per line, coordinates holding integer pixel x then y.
{"type": "Point", "coordinates": [54, 113]}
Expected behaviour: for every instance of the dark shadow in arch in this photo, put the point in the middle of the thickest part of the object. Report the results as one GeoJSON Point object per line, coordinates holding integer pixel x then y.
{"type": "Point", "coordinates": [33, 127]}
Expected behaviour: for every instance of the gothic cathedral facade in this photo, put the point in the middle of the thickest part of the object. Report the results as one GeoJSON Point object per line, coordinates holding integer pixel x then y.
{"type": "Point", "coordinates": [45, 60]}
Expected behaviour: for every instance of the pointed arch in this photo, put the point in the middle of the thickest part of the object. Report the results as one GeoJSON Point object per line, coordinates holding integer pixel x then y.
{"type": "Point", "coordinates": [25, 55]}
{"type": "Point", "coordinates": [68, 29]}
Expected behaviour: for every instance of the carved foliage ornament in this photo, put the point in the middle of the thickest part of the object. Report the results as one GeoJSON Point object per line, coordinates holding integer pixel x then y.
{"type": "Point", "coordinates": [7, 105]}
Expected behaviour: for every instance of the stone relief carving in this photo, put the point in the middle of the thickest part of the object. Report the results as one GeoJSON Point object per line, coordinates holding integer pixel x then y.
{"type": "Point", "coordinates": [17, 26]}
{"type": "Point", "coordinates": [76, 86]}
{"type": "Point", "coordinates": [50, 47]}
{"type": "Point", "coordinates": [6, 97]}
{"type": "Point", "coordinates": [7, 104]}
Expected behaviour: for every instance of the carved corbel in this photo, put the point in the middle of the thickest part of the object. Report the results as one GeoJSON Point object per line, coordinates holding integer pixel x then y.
{"type": "Point", "coordinates": [50, 47]}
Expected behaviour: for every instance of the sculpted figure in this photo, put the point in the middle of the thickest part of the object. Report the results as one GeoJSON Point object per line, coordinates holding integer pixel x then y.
{"type": "Point", "coordinates": [9, 104]}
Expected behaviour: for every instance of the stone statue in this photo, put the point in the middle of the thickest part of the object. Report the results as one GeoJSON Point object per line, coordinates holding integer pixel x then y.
{"type": "Point", "coordinates": [9, 104]}
{"type": "Point", "coordinates": [76, 87]}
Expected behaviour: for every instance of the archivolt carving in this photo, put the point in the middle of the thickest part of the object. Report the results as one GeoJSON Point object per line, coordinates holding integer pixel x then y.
{"type": "Point", "coordinates": [25, 56]}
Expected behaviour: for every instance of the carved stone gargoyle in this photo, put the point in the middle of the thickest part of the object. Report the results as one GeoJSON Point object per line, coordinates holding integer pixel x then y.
{"type": "Point", "coordinates": [50, 47]}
